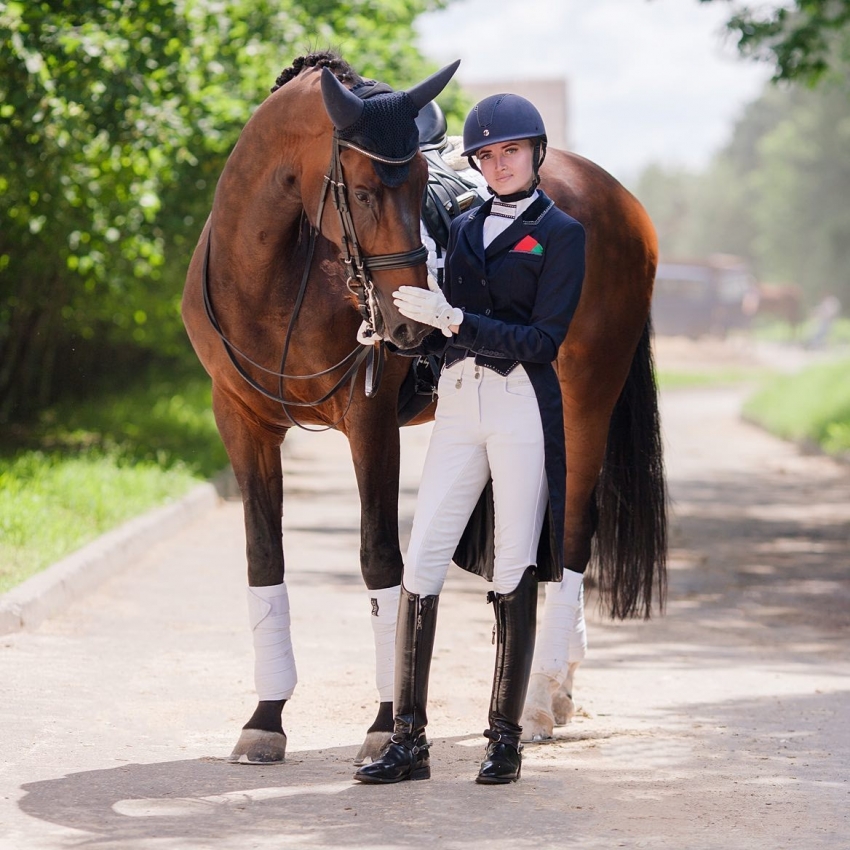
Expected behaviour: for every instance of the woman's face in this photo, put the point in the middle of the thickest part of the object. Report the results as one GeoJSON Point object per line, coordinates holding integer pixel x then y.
{"type": "Point", "coordinates": [507, 166]}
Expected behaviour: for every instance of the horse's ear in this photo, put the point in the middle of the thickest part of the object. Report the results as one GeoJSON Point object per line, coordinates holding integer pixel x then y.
{"type": "Point", "coordinates": [343, 107]}
{"type": "Point", "coordinates": [429, 88]}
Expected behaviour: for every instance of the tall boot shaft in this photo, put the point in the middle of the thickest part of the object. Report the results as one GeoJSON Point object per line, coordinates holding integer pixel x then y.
{"type": "Point", "coordinates": [516, 626]}
{"type": "Point", "coordinates": [406, 754]}
{"type": "Point", "coordinates": [516, 622]}
{"type": "Point", "coordinates": [414, 647]}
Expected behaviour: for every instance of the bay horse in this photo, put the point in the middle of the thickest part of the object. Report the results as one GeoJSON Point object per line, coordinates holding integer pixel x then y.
{"type": "Point", "coordinates": [273, 316]}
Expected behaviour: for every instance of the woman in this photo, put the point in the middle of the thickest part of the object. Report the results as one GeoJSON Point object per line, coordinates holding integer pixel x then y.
{"type": "Point", "coordinates": [493, 485]}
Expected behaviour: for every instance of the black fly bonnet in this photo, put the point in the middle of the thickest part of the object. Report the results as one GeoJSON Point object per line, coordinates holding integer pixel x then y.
{"type": "Point", "coordinates": [386, 127]}
{"type": "Point", "coordinates": [381, 122]}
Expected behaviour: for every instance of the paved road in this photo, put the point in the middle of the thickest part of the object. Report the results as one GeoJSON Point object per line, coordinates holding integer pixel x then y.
{"type": "Point", "coordinates": [723, 724]}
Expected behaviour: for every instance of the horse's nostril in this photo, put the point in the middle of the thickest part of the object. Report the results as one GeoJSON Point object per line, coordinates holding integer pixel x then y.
{"type": "Point", "coordinates": [408, 336]}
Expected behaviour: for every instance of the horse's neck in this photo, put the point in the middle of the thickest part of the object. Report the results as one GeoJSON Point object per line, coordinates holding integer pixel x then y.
{"type": "Point", "coordinates": [278, 147]}
{"type": "Point", "coordinates": [259, 211]}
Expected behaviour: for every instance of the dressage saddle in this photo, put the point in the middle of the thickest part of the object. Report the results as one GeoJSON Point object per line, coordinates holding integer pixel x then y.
{"type": "Point", "coordinates": [448, 193]}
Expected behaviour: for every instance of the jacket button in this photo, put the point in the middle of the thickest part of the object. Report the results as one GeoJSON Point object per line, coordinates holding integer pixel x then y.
{"type": "Point", "coordinates": [483, 281]}
{"type": "Point", "coordinates": [459, 281]}
{"type": "Point", "coordinates": [487, 312]}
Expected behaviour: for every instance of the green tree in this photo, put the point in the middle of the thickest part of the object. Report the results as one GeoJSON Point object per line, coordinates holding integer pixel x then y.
{"type": "Point", "coordinates": [668, 197]}
{"type": "Point", "coordinates": [699, 214]}
{"type": "Point", "coordinates": [801, 190]}
{"type": "Point", "coordinates": [115, 121]}
{"type": "Point", "coordinates": [803, 40]}
{"type": "Point", "coordinates": [776, 194]}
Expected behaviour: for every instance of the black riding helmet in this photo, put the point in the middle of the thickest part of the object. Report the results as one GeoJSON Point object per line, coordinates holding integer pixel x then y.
{"type": "Point", "coordinates": [505, 118]}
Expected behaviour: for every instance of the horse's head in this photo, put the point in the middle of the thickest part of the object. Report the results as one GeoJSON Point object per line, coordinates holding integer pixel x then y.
{"type": "Point", "coordinates": [378, 179]}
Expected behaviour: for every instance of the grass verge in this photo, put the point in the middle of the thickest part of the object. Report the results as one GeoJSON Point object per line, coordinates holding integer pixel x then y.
{"type": "Point", "coordinates": [672, 379]}
{"type": "Point", "coordinates": [812, 406]}
{"type": "Point", "coordinates": [84, 468]}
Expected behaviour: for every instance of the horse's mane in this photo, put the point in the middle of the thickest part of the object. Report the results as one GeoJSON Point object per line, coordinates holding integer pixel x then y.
{"type": "Point", "coordinates": [319, 59]}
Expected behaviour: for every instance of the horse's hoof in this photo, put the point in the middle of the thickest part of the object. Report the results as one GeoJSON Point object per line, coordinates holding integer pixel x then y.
{"type": "Point", "coordinates": [538, 725]}
{"type": "Point", "coordinates": [537, 721]}
{"type": "Point", "coordinates": [256, 746]}
{"type": "Point", "coordinates": [372, 747]}
{"type": "Point", "coordinates": [563, 708]}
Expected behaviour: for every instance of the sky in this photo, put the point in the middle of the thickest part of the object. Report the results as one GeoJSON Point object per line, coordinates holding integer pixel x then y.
{"type": "Point", "coordinates": [649, 81]}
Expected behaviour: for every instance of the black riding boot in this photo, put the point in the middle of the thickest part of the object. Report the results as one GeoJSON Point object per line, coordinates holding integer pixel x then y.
{"type": "Point", "coordinates": [516, 624]}
{"type": "Point", "coordinates": [406, 755]}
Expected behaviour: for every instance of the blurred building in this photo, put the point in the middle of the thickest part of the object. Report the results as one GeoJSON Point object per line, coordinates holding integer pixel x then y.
{"type": "Point", "coordinates": [549, 96]}
{"type": "Point", "coordinates": [703, 296]}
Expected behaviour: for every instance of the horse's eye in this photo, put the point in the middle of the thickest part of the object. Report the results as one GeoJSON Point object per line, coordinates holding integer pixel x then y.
{"type": "Point", "coordinates": [363, 197]}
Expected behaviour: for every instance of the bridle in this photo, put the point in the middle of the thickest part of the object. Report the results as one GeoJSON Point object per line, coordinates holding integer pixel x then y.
{"type": "Point", "coordinates": [359, 282]}
{"type": "Point", "coordinates": [359, 267]}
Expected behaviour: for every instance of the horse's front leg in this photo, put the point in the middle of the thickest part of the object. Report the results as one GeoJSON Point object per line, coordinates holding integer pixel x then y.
{"type": "Point", "coordinates": [374, 438]}
{"type": "Point", "coordinates": [255, 456]}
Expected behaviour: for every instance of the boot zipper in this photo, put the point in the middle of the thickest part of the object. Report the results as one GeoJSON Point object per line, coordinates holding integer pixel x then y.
{"type": "Point", "coordinates": [416, 661]}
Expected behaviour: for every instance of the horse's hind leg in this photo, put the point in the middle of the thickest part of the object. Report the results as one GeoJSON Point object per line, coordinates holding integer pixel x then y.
{"type": "Point", "coordinates": [374, 440]}
{"type": "Point", "coordinates": [561, 637]}
{"type": "Point", "coordinates": [255, 456]}
{"type": "Point", "coordinates": [561, 645]}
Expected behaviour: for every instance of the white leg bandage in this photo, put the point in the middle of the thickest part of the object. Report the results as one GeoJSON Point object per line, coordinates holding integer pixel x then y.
{"type": "Point", "coordinates": [274, 661]}
{"type": "Point", "coordinates": [562, 638]}
{"type": "Point", "coordinates": [384, 616]}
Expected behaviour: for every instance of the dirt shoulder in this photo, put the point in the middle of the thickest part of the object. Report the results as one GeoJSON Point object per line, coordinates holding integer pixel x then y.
{"type": "Point", "coordinates": [722, 724]}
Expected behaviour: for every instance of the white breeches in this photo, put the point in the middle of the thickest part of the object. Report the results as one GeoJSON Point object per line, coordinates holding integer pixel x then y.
{"type": "Point", "coordinates": [487, 426]}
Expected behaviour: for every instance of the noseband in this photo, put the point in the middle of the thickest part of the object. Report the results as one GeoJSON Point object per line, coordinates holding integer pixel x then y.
{"type": "Point", "coordinates": [360, 268]}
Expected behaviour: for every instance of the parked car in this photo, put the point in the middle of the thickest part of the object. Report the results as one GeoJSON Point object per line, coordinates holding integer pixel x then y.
{"type": "Point", "coordinates": [708, 296]}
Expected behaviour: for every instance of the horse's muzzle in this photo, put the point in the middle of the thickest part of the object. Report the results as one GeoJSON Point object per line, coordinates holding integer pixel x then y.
{"type": "Point", "coordinates": [407, 334]}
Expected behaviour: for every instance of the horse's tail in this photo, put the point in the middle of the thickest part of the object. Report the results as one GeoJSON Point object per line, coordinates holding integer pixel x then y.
{"type": "Point", "coordinates": [630, 547]}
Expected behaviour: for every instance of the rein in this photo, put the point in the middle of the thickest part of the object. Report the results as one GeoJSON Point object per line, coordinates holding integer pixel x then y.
{"type": "Point", "coordinates": [357, 357]}
{"type": "Point", "coordinates": [359, 282]}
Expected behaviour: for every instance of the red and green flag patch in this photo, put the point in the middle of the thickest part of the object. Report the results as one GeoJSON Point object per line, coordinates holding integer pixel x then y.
{"type": "Point", "coordinates": [528, 245]}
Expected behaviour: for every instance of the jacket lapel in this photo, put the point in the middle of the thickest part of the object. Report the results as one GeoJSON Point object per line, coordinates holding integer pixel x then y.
{"type": "Point", "coordinates": [472, 235]}
{"type": "Point", "coordinates": [521, 227]}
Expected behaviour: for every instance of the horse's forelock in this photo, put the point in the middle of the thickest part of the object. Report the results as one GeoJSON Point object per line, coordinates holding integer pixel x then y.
{"type": "Point", "coordinates": [319, 59]}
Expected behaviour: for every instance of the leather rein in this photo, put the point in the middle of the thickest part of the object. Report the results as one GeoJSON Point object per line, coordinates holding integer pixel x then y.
{"type": "Point", "coordinates": [359, 282]}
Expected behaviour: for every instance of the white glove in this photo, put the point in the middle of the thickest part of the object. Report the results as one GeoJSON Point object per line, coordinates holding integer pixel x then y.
{"type": "Point", "coordinates": [428, 306]}
{"type": "Point", "coordinates": [366, 336]}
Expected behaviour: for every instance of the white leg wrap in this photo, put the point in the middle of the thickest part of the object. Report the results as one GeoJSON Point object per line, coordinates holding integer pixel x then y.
{"type": "Point", "coordinates": [562, 637]}
{"type": "Point", "coordinates": [274, 661]}
{"type": "Point", "coordinates": [384, 617]}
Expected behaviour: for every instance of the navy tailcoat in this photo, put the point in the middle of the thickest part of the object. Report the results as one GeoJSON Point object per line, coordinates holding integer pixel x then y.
{"type": "Point", "coordinates": [518, 296]}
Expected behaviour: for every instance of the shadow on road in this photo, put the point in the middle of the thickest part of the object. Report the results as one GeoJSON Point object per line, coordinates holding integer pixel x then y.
{"type": "Point", "coordinates": [565, 791]}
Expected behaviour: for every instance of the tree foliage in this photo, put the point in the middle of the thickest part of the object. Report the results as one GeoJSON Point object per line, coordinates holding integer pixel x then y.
{"type": "Point", "coordinates": [115, 121]}
{"type": "Point", "coordinates": [804, 39]}
{"type": "Point", "coordinates": [777, 194]}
